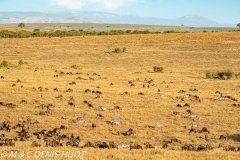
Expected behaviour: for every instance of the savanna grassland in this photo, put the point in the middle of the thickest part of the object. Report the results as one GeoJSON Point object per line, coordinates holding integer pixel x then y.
{"type": "Point", "coordinates": [185, 58]}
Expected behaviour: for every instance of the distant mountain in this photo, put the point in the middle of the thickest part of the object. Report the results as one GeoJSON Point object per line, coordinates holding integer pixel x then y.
{"type": "Point", "coordinates": [101, 17]}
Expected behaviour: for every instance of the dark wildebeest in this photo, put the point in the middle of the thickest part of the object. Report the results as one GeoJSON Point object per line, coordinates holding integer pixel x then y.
{"type": "Point", "coordinates": [223, 137]}
{"type": "Point", "coordinates": [135, 146]}
{"type": "Point", "coordinates": [36, 143]}
{"type": "Point", "coordinates": [94, 126]}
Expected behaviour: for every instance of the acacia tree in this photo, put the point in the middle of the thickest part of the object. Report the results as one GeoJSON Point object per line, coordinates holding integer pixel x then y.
{"type": "Point", "coordinates": [21, 25]}
{"type": "Point", "coordinates": [238, 25]}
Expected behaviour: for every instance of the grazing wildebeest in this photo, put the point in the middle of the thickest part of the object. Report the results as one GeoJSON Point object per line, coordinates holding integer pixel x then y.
{"type": "Point", "coordinates": [178, 105]}
{"type": "Point", "coordinates": [97, 97]}
{"type": "Point", "coordinates": [181, 91]}
{"type": "Point", "coordinates": [112, 145]}
{"type": "Point", "coordinates": [135, 146]}
{"type": "Point", "coordinates": [217, 92]}
{"type": "Point", "coordinates": [73, 142]}
{"type": "Point", "coordinates": [132, 84]}
{"type": "Point", "coordinates": [130, 132]}
{"type": "Point", "coordinates": [23, 102]}
{"type": "Point", "coordinates": [204, 129]}
{"type": "Point", "coordinates": [126, 93]}
{"type": "Point", "coordinates": [149, 145]}
{"type": "Point", "coordinates": [150, 81]}
{"type": "Point", "coordinates": [90, 105]}
{"type": "Point", "coordinates": [117, 107]}
{"type": "Point", "coordinates": [189, 111]}
{"type": "Point", "coordinates": [202, 147]}
{"type": "Point", "coordinates": [236, 105]}
{"type": "Point", "coordinates": [230, 148]}
{"type": "Point", "coordinates": [188, 147]}
{"type": "Point", "coordinates": [71, 104]}
{"type": "Point", "coordinates": [165, 145]}
{"type": "Point", "coordinates": [175, 140]}
{"type": "Point", "coordinates": [140, 93]}
{"type": "Point", "coordinates": [59, 96]}
{"type": "Point", "coordinates": [87, 90]}
{"type": "Point", "coordinates": [90, 144]}
{"type": "Point", "coordinates": [175, 113]}
{"type": "Point", "coordinates": [206, 137]}
{"type": "Point", "coordinates": [71, 83]}
{"type": "Point", "coordinates": [2, 77]}
{"type": "Point", "coordinates": [194, 89]}
{"type": "Point", "coordinates": [85, 102]}
{"type": "Point", "coordinates": [94, 126]}
{"type": "Point", "coordinates": [36, 143]}
{"type": "Point", "coordinates": [186, 105]}
{"type": "Point", "coordinates": [103, 145]}
{"type": "Point", "coordinates": [69, 90]}
{"type": "Point", "coordinates": [220, 145]}
{"type": "Point", "coordinates": [98, 92]}
{"type": "Point", "coordinates": [91, 78]}
{"type": "Point", "coordinates": [238, 149]}
{"type": "Point", "coordinates": [100, 116]}
{"type": "Point", "coordinates": [192, 130]}
{"type": "Point", "coordinates": [63, 127]}
{"type": "Point", "coordinates": [222, 137]}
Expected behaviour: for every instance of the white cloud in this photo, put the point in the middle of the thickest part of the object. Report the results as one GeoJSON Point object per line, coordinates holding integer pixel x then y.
{"type": "Point", "coordinates": [75, 4]}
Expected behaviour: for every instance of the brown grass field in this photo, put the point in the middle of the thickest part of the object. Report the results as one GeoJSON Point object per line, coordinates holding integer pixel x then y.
{"type": "Point", "coordinates": [185, 59]}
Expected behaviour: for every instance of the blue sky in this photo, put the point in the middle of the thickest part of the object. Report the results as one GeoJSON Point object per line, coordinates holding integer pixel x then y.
{"type": "Point", "coordinates": [221, 11]}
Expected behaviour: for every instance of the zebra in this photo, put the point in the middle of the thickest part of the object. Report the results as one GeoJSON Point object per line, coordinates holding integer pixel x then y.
{"type": "Point", "coordinates": [193, 126]}
{"type": "Point", "coordinates": [116, 121]}
{"type": "Point", "coordinates": [80, 119]}
{"type": "Point", "coordinates": [103, 108]}
{"type": "Point", "coordinates": [124, 145]}
{"type": "Point", "coordinates": [157, 125]}
{"type": "Point", "coordinates": [193, 116]}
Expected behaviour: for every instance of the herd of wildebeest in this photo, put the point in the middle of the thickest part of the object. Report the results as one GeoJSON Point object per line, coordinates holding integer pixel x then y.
{"type": "Point", "coordinates": [55, 137]}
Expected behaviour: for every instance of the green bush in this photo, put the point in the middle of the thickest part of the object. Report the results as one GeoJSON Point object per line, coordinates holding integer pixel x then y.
{"type": "Point", "coordinates": [75, 66]}
{"type": "Point", "coordinates": [36, 30]}
{"type": "Point", "coordinates": [117, 50]}
{"type": "Point", "coordinates": [20, 62]}
{"type": "Point", "coordinates": [208, 74]}
{"type": "Point", "coordinates": [169, 31]}
{"type": "Point", "coordinates": [237, 75]}
{"type": "Point", "coordinates": [157, 69]}
{"type": "Point", "coordinates": [225, 75]}
{"type": "Point", "coordinates": [124, 49]}
{"type": "Point", "coordinates": [4, 63]}
{"type": "Point", "coordinates": [220, 75]}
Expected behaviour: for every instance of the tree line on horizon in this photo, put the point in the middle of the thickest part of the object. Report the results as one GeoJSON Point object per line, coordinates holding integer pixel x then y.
{"type": "Point", "coordinates": [67, 33]}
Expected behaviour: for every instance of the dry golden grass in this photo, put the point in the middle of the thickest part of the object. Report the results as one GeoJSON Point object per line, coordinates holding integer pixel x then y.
{"type": "Point", "coordinates": [185, 59]}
